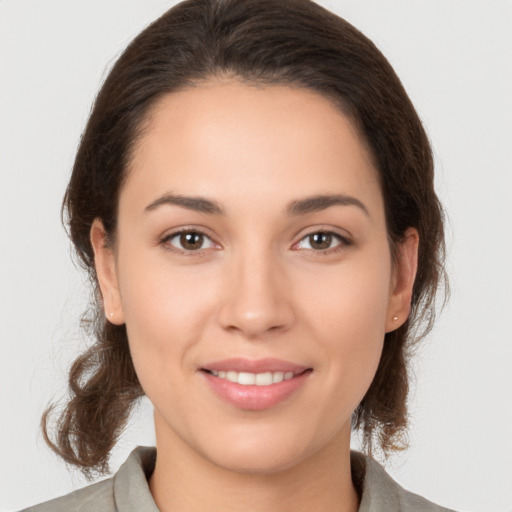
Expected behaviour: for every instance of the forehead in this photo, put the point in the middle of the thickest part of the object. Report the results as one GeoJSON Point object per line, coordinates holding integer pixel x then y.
{"type": "Point", "coordinates": [223, 137]}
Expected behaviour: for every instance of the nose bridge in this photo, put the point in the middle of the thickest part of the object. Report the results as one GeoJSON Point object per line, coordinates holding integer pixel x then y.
{"type": "Point", "coordinates": [256, 301]}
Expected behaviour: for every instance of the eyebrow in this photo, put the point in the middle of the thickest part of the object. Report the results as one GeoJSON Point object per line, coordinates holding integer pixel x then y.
{"type": "Point", "coordinates": [321, 202]}
{"type": "Point", "coordinates": [299, 207]}
{"type": "Point", "coordinates": [198, 204]}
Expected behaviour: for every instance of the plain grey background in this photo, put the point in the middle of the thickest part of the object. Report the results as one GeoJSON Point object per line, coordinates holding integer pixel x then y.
{"type": "Point", "coordinates": [455, 59]}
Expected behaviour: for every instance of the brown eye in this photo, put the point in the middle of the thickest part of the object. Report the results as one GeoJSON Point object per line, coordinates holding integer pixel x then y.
{"type": "Point", "coordinates": [189, 241]}
{"type": "Point", "coordinates": [320, 241]}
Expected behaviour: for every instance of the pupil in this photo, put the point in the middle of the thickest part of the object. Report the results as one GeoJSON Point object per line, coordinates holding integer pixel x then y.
{"type": "Point", "coordinates": [320, 240]}
{"type": "Point", "coordinates": [191, 240]}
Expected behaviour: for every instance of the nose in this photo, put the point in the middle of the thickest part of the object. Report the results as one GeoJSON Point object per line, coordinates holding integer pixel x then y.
{"type": "Point", "coordinates": [257, 301]}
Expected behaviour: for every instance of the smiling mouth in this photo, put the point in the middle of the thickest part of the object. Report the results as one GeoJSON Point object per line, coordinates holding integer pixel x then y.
{"type": "Point", "coordinates": [255, 379]}
{"type": "Point", "coordinates": [255, 385]}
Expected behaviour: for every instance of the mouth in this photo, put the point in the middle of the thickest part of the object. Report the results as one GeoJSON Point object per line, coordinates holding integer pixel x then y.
{"type": "Point", "coordinates": [254, 379]}
{"type": "Point", "coordinates": [255, 385]}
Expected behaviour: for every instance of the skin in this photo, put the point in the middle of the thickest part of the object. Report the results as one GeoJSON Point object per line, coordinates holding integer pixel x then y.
{"type": "Point", "coordinates": [256, 288]}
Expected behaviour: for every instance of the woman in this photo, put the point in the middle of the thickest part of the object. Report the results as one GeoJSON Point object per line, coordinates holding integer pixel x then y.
{"type": "Point", "coordinates": [253, 200]}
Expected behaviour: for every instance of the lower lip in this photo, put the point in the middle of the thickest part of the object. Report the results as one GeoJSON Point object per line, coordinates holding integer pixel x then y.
{"type": "Point", "coordinates": [255, 398]}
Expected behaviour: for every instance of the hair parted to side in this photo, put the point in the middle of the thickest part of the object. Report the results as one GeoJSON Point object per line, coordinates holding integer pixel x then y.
{"type": "Point", "coordinates": [265, 42]}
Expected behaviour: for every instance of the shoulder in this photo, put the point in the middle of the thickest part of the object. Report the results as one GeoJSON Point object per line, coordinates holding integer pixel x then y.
{"type": "Point", "coordinates": [127, 490]}
{"type": "Point", "coordinates": [380, 492]}
{"type": "Point", "coordinates": [98, 497]}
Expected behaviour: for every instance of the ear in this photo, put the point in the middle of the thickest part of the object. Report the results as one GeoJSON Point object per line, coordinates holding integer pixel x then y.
{"type": "Point", "coordinates": [105, 264]}
{"type": "Point", "coordinates": [404, 274]}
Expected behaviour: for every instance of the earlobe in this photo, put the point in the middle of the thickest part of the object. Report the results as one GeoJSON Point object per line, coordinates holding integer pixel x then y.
{"type": "Point", "coordinates": [105, 264]}
{"type": "Point", "coordinates": [404, 275]}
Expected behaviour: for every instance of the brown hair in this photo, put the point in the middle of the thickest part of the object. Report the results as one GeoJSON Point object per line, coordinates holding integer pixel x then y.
{"type": "Point", "coordinates": [293, 42]}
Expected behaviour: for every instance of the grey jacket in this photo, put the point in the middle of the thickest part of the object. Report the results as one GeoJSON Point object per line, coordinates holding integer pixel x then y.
{"type": "Point", "coordinates": [128, 491]}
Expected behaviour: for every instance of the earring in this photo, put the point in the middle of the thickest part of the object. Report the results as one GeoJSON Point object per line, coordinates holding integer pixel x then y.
{"type": "Point", "coordinates": [395, 318]}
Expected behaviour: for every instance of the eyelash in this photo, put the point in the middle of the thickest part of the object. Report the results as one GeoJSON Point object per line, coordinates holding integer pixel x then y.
{"type": "Point", "coordinates": [166, 241]}
{"type": "Point", "coordinates": [343, 242]}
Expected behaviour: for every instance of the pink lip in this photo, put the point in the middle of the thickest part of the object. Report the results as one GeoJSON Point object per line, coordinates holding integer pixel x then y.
{"type": "Point", "coordinates": [254, 366]}
{"type": "Point", "coordinates": [255, 398]}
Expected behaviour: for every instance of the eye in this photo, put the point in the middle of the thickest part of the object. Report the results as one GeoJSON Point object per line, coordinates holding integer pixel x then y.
{"type": "Point", "coordinates": [188, 241]}
{"type": "Point", "coordinates": [322, 241]}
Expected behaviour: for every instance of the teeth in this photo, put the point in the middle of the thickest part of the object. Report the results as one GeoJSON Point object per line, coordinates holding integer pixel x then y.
{"type": "Point", "coordinates": [277, 377]}
{"type": "Point", "coordinates": [263, 379]}
{"type": "Point", "coordinates": [251, 379]}
{"type": "Point", "coordinates": [247, 379]}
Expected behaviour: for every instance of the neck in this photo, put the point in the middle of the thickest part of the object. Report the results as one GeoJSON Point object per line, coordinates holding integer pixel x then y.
{"type": "Point", "coordinates": [184, 481]}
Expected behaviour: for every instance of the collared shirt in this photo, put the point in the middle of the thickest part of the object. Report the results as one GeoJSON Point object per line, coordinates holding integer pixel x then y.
{"type": "Point", "coordinates": [128, 490]}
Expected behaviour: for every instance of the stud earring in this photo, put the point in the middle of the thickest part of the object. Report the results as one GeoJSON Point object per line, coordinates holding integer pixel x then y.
{"type": "Point", "coordinates": [395, 318]}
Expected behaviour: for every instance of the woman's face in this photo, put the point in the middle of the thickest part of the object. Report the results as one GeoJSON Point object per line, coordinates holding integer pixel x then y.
{"type": "Point", "coordinates": [253, 272]}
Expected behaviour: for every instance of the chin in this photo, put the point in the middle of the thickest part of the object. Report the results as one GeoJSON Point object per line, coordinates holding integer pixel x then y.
{"type": "Point", "coordinates": [268, 450]}
{"type": "Point", "coordinates": [262, 460]}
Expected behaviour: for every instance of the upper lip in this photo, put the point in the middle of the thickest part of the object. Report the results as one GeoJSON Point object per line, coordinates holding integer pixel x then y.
{"type": "Point", "coordinates": [239, 364]}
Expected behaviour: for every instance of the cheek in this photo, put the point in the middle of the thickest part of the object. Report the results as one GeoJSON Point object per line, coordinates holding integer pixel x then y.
{"type": "Point", "coordinates": [352, 299]}
{"type": "Point", "coordinates": [166, 312]}
{"type": "Point", "coordinates": [348, 318]}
